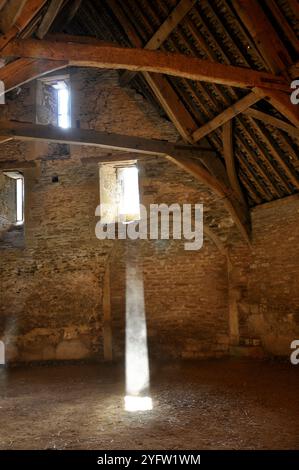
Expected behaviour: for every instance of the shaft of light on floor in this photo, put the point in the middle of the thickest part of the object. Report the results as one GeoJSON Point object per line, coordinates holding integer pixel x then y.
{"type": "Point", "coordinates": [137, 361]}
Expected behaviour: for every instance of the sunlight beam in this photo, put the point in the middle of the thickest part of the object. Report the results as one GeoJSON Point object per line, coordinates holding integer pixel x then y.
{"type": "Point", "coordinates": [137, 361]}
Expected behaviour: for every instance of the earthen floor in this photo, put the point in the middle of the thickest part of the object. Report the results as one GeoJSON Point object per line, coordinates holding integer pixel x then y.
{"type": "Point", "coordinates": [212, 404]}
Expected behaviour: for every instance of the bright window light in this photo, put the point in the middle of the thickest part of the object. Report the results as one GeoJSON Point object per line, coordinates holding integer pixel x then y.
{"type": "Point", "coordinates": [129, 198]}
{"type": "Point", "coordinates": [63, 104]}
{"type": "Point", "coordinates": [20, 199]}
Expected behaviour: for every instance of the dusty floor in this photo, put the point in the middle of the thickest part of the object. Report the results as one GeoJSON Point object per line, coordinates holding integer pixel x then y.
{"type": "Point", "coordinates": [224, 404]}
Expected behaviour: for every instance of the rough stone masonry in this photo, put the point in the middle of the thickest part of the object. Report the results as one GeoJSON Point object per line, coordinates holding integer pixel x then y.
{"type": "Point", "coordinates": [52, 284]}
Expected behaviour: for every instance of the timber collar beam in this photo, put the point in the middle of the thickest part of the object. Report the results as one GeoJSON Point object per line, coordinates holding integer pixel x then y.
{"type": "Point", "coordinates": [102, 55]}
{"type": "Point", "coordinates": [203, 164]}
{"type": "Point", "coordinates": [27, 131]}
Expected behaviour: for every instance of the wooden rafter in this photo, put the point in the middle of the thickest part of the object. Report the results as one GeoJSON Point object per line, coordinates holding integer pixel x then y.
{"type": "Point", "coordinates": [10, 13]}
{"type": "Point", "coordinates": [168, 99]}
{"type": "Point", "coordinates": [67, 14]}
{"type": "Point", "coordinates": [265, 157]}
{"type": "Point", "coordinates": [106, 56]}
{"type": "Point", "coordinates": [264, 35]}
{"type": "Point", "coordinates": [226, 194]}
{"type": "Point", "coordinates": [171, 104]}
{"type": "Point", "coordinates": [166, 28]}
{"type": "Point", "coordinates": [49, 17]}
{"type": "Point", "coordinates": [276, 153]}
{"type": "Point", "coordinates": [273, 51]}
{"type": "Point", "coordinates": [294, 70]}
{"type": "Point", "coordinates": [25, 15]}
{"type": "Point", "coordinates": [273, 121]}
{"type": "Point", "coordinates": [226, 115]}
{"type": "Point", "coordinates": [178, 13]}
{"type": "Point", "coordinates": [229, 157]}
{"type": "Point", "coordinates": [282, 102]}
{"type": "Point", "coordinates": [288, 31]}
{"type": "Point", "coordinates": [217, 120]}
{"type": "Point", "coordinates": [196, 90]}
{"type": "Point", "coordinates": [29, 11]}
{"type": "Point", "coordinates": [246, 166]}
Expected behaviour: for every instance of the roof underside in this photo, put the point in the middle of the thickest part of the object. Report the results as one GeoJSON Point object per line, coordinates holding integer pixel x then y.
{"type": "Point", "coordinates": [212, 29]}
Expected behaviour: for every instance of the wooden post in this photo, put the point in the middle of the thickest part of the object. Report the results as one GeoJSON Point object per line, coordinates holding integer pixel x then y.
{"type": "Point", "coordinates": [107, 330]}
{"type": "Point", "coordinates": [233, 313]}
{"type": "Point", "coordinates": [229, 157]}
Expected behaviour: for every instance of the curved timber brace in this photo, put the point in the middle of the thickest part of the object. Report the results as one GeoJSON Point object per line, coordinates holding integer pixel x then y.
{"type": "Point", "coordinates": [202, 163]}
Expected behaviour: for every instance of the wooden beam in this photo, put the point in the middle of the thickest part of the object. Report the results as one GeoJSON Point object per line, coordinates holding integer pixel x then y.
{"type": "Point", "coordinates": [229, 157]}
{"type": "Point", "coordinates": [273, 121]}
{"type": "Point", "coordinates": [264, 35]}
{"type": "Point", "coordinates": [273, 51]}
{"type": "Point", "coordinates": [16, 164]}
{"type": "Point", "coordinates": [21, 71]}
{"type": "Point", "coordinates": [281, 101]}
{"type": "Point", "coordinates": [4, 139]}
{"type": "Point", "coordinates": [226, 115]}
{"type": "Point", "coordinates": [268, 161]}
{"type": "Point", "coordinates": [162, 89]}
{"type": "Point", "coordinates": [28, 131]}
{"type": "Point", "coordinates": [233, 310]}
{"type": "Point", "coordinates": [112, 157]}
{"type": "Point", "coordinates": [238, 212]}
{"type": "Point", "coordinates": [172, 105]}
{"type": "Point", "coordinates": [171, 22]}
{"type": "Point", "coordinates": [162, 33]}
{"type": "Point", "coordinates": [106, 56]}
{"type": "Point", "coordinates": [10, 13]}
{"type": "Point", "coordinates": [294, 70]}
{"type": "Point", "coordinates": [30, 9]}
{"type": "Point", "coordinates": [72, 10]}
{"type": "Point", "coordinates": [49, 17]}
{"type": "Point", "coordinates": [66, 15]}
{"type": "Point", "coordinates": [208, 232]}
{"type": "Point", "coordinates": [107, 330]}
{"type": "Point", "coordinates": [281, 20]}
{"type": "Point", "coordinates": [265, 136]}
{"type": "Point", "coordinates": [185, 156]}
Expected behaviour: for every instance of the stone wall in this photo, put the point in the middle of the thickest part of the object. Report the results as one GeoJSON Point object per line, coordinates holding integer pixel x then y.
{"type": "Point", "coordinates": [52, 290]}
{"type": "Point", "coordinates": [270, 307]}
